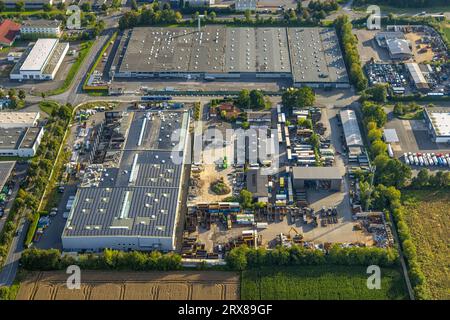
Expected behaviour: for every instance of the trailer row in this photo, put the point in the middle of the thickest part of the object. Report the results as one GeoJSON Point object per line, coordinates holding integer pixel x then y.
{"type": "Point", "coordinates": [427, 159]}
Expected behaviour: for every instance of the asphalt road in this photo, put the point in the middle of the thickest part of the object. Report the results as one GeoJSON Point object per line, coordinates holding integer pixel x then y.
{"type": "Point", "coordinates": [8, 273]}
{"type": "Point", "coordinates": [20, 172]}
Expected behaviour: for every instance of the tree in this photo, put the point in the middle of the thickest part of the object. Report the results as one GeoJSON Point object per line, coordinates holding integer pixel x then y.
{"type": "Point", "coordinates": [378, 93]}
{"type": "Point", "coordinates": [422, 179]}
{"type": "Point", "coordinates": [374, 134]}
{"type": "Point", "coordinates": [374, 113]}
{"type": "Point", "coordinates": [378, 147]}
{"type": "Point", "coordinates": [294, 98]}
{"type": "Point", "coordinates": [104, 7]}
{"type": "Point", "coordinates": [2, 6]}
{"type": "Point", "coordinates": [61, 6]}
{"type": "Point", "coordinates": [237, 258]}
{"type": "Point", "coordinates": [246, 199]}
{"type": "Point", "coordinates": [257, 99]}
{"type": "Point", "coordinates": [134, 5]}
{"type": "Point", "coordinates": [365, 194]}
{"type": "Point", "coordinates": [20, 5]}
{"type": "Point", "coordinates": [243, 100]}
{"type": "Point", "coordinates": [47, 7]}
{"type": "Point", "coordinates": [22, 94]}
{"type": "Point", "coordinates": [248, 15]}
{"type": "Point", "coordinates": [86, 7]}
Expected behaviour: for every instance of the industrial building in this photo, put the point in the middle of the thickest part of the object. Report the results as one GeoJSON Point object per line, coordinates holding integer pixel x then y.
{"type": "Point", "coordinates": [20, 142]}
{"type": "Point", "coordinates": [308, 56]}
{"type": "Point", "coordinates": [41, 61]}
{"type": "Point", "coordinates": [133, 200]}
{"type": "Point", "coordinates": [316, 58]}
{"type": "Point", "coordinates": [352, 134]}
{"type": "Point", "coordinates": [41, 28]}
{"type": "Point", "coordinates": [257, 183]}
{"type": "Point", "coordinates": [18, 119]}
{"type": "Point", "coordinates": [304, 177]}
{"type": "Point", "coordinates": [395, 42]}
{"type": "Point", "coordinates": [438, 124]}
{"type": "Point", "coordinates": [417, 76]}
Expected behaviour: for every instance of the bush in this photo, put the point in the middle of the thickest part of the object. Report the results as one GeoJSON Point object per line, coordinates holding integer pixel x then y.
{"type": "Point", "coordinates": [36, 259]}
{"type": "Point", "coordinates": [243, 257]}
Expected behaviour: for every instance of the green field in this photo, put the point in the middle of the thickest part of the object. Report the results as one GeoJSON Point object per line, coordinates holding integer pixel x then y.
{"type": "Point", "coordinates": [319, 283]}
{"type": "Point", "coordinates": [428, 218]}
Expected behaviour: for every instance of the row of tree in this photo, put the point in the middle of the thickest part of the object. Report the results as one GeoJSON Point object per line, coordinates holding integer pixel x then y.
{"type": "Point", "coordinates": [36, 259]}
{"type": "Point", "coordinates": [350, 51]}
{"type": "Point", "coordinates": [391, 175]}
{"type": "Point", "coordinates": [392, 198]}
{"type": "Point", "coordinates": [243, 257]}
{"type": "Point", "coordinates": [389, 172]}
{"type": "Point", "coordinates": [149, 15]}
{"type": "Point", "coordinates": [425, 179]}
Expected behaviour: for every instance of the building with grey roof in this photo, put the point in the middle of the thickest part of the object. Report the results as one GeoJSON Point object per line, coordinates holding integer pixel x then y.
{"type": "Point", "coordinates": [309, 56]}
{"type": "Point", "coordinates": [316, 58]}
{"type": "Point", "coordinates": [20, 142]}
{"type": "Point", "coordinates": [352, 134]}
{"type": "Point", "coordinates": [134, 203]}
{"type": "Point", "coordinates": [303, 176]}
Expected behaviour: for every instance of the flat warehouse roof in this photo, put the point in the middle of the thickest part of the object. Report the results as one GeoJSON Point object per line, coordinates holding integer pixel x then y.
{"type": "Point", "coordinates": [440, 122]}
{"type": "Point", "coordinates": [39, 55]}
{"type": "Point", "coordinates": [138, 195]}
{"type": "Point", "coordinates": [316, 173]}
{"type": "Point", "coordinates": [19, 119]}
{"type": "Point", "coordinates": [316, 56]}
{"type": "Point", "coordinates": [308, 54]}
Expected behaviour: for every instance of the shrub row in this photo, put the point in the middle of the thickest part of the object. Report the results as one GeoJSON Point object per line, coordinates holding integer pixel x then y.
{"type": "Point", "coordinates": [35, 259]}
{"type": "Point", "coordinates": [242, 257]}
{"type": "Point", "coordinates": [350, 50]}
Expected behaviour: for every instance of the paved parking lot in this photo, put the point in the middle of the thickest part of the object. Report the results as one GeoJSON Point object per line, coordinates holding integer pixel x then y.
{"type": "Point", "coordinates": [51, 239]}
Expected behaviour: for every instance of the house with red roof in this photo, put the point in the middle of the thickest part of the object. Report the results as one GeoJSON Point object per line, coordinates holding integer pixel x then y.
{"type": "Point", "coordinates": [8, 32]}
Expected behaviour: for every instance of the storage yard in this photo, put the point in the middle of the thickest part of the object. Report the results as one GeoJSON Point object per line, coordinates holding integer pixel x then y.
{"type": "Point", "coordinates": [236, 53]}
{"type": "Point", "coordinates": [404, 57]}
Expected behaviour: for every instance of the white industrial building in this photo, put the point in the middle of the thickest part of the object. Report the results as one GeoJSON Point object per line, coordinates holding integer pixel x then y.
{"type": "Point", "coordinates": [18, 119]}
{"type": "Point", "coordinates": [19, 134]}
{"type": "Point", "coordinates": [41, 28]}
{"type": "Point", "coordinates": [20, 142]}
{"type": "Point", "coordinates": [438, 123]}
{"type": "Point", "coordinates": [41, 61]}
{"type": "Point", "coordinates": [244, 5]}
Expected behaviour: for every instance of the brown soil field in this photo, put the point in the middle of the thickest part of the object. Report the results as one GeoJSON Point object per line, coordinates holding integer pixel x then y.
{"type": "Point", "coordinates": [155, 285]}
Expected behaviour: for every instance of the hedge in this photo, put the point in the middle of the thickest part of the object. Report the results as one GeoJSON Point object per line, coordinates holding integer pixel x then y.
{"type": "Point", "coordinates": [242, 258]}
{"type": "Point", "coordinates": [36, 259]}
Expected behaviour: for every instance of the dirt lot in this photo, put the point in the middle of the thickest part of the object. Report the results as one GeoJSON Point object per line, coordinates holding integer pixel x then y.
{"type": "Point", "coordinates": [183, 285]}
{"type": "Point", "coordinates": [419, 57]}
{"type": "Point", "coordinates": [368, 47]}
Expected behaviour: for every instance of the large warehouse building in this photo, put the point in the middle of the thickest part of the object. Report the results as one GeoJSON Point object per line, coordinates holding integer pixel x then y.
{"type": "Point", "coordinates": [41, 61]}
{"type": "Point", "coordinates": [133, 204]}
{"type": "Point", "coordinates": [19, 134]}
{"type": "Point", "coordinates": [308, 56]}
{"type": "Point", "coordinates": [438, 123]}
